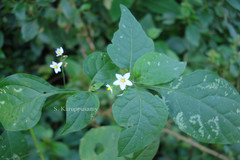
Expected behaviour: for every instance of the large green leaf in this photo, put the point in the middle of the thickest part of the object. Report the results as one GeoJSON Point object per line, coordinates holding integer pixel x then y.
{"type": "Point", "coordinates": [143, 115]}
{"type": "Point", "coordinates": [129, 42]}
{"type": "Point", "coordinates": [21, 99]}
{"type": "Point", "coordinates": [81, 108]}
{"type": "Point", "coordinates": [204, 106]}
{"type": "Point", "coordinates": [156, 68]}
{"type": "Point", "coordinates": [99, 67]}
{"type": "Point", "coordinates": [13, 146]}
{"type": "Point", "coordinates": [102, 140]}
{"type": "Point", "coordinates": [148, 152]}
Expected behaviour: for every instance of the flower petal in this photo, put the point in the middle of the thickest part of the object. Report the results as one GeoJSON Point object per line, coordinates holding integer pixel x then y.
{"type": "Point", "coordinates": [119, 76]}
{"type": "Point", "coordinates": [61, 50]}
{"type": "Point", "coordinates": [117, 82]}
{"type": "Point", "coordinates": [126, 76]}
{"type": "Point", "coordinates": [56, 70]}
{"type": "Point", "coordinates": [122, 86]}
{"type": "Point", "coordinates": [108, 86]}
{"type": "Point", "coordinates": [129, 83]}
{"type": "Point", "coordinates": [59, 69]}
{"type": "Point", "coordinates": [60, 64]}
{"type": "Point", "coordinates": [54, 63]}
{"type": "Point", "coordinates": [51, 66]}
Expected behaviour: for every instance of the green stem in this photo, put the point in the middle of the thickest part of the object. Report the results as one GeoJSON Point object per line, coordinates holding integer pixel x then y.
{"type": "Point", "coordinates": [63, 75]}
{"type": "Point", "coordinates": [36, 144]}
{"type": "Point", "coordinates": [64, 81]}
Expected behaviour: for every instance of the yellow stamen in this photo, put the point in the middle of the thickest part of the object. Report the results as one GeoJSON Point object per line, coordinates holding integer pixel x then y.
{"type": "Point", "coordinates": [59, 52]}
{"type": "Point", "coordinates": [108, 88]}
{"type": "Point", "coordinates": [55, 66]}
{"type": "Point", "coordinates": [123, 80]}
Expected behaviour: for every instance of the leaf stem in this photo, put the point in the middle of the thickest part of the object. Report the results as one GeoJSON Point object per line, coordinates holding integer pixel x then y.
{"type": "Point", "coordinates": [36, 144]}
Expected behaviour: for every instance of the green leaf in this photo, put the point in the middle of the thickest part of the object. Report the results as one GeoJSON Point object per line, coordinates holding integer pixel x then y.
{"type": "Point", "coordinates": [192, 35]}
{"type": "Point", "coordinates": [81, 108]}
{"type": "Point", "coordinates": [13, 145]}
{"type": "Point", "coordinates": [29, 30]}
{"type": "Point", "coordinates": [176, 44]}
{"type": "Point", "coordinates": [115, 10]}
{"type": "Point", "coordinates": [143, 115]}
{"type": "Point", "coordinates": [44, 3]}
{"type": "Point", "coordinates": [100, 68]}
{"type": "Point", "coordinates": [130, 42]}
{"type": "Point", "coordinates": [156, 68]}
{"type": "Point", "coordinates": [105, 138]}
{"type": "Point", "coordinates": [43, 132]}
{"type": "Point", "coordinates": [96, 86]}
{"type": "Point", "coordinates": [148, 152]}
{"type": "Point", "coordinates": [154, 32]}
{"type": "Point", "coordinates": [235, 4]}
{"type": "Point", "coordinates": [20, 11]}
{"type": "Point", "coordinates": [73, 68]}
{"type": "Point", "coordinates": [67, 9]}
{"type": "Point", "coordinates": [204, 106]}
{"type": "Point", "coordinates": [162, 6]}
{"type": "Point", "coordinates": [22, 97]}
{"type": "Point", "coordinates": [60, 149]}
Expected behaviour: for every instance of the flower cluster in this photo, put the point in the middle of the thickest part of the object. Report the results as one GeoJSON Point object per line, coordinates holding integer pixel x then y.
{"type": "Point", "coordinates": [57, 66]}
{"type": "Point", "coordinates": [121, 81]}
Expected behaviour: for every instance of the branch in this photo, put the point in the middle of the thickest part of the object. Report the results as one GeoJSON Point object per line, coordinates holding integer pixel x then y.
{"type": "Point", "coordinates": [195, 144]}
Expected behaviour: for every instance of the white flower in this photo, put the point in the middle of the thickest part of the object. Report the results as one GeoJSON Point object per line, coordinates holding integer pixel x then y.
{"type": "Point", "coordinates": [56, 66]}
{"type": "Point", "coordinates": [123, 81]}
{"type": "Point", "coordinates": [109, 88]}
{"type": "Point", "coordinates": [59, 51]}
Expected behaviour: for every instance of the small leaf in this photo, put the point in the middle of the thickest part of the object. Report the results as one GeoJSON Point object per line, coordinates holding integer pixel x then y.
{"type": "Point", "coordinates": [115, 10]}
{"type": "Point", "coordinates": [60, 149]}
{"type": "Point", "coordinates": [67, 9]}
{"type": "Point", "coordinates": [130, 42]}
{"type": "Point", "coordinates": [13, 145]}
{"type": "Point", "coordinates": [73, 68]}
{"type": "Point", "coordinates": [96, 86]}
{"type": "Point", "coordinates": [29, 30]}
{"type": "Point", "coordinates": [192, 35]}
{"type": "Point", "coordinates": [81, 108]}
{"type": "Point", "coordinates": [22, 97]}
{"type": "Point", "coordinates": [148, 152]}
{"type": "Point", "coordinates": [235, 4]}
{"type": "Point", "coordinates": [20, 11]}
{"type": "Point", "coordinates": [143, 115]}
{"type": "Point", "coordinates": [204, 106]}
{"type": "Point", "coordinates": [100, 68]}
{"type": "Point", "coordinates": [106, 138]}
{"type": "Point", "coordinates": [156, 68]}
{"type": "Point", "coordinates": [162, 6]}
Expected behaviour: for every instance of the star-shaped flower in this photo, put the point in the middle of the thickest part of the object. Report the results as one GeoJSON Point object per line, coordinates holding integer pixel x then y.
{"type": "Point", "coordinates": [56, 66]}
{"type": "Point", "coordinates": [109, 88]}
{"type": "Point", "coordinates": [123, 81]}
{"type": "Point", "coordinates": [59, 51]}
